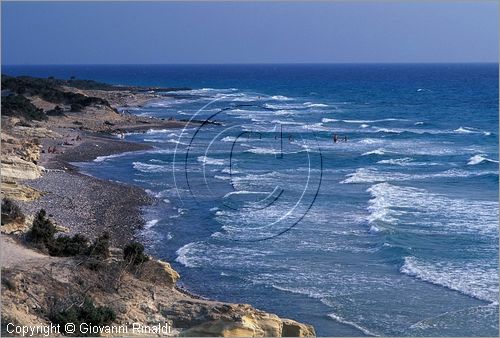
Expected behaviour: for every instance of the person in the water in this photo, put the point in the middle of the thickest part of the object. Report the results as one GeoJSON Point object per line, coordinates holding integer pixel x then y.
{"type": "Point", "coordinates": [335, 138]}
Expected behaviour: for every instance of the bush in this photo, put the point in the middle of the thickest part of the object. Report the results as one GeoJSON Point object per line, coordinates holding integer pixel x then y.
{"type": "Point", "coordinates": [134, 253]}
{"type": "Point", "coordinates": [11, 212]}
{"type": "Point", "coordinates": [19, 106]}
{"type": "Point", "coordinates": [86, 313]}
{"type": "Point", "coordinates": [68, 246]}
{"type": "Point", "coordinates": [42, 231]}
{"type": "Point", "coordinates": [100, 247]}
{"type": "Point", "coordinates": [57, 111]}
{"type": "Point", "coordinates": [76, 107]}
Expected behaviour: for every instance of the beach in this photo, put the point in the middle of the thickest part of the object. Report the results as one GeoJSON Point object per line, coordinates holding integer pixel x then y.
{"type": "Point", "coordinates": [46, 177]}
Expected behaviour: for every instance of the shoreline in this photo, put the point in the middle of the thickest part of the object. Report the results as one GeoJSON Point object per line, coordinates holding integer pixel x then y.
{"type": "Point", "coordinates": [39, 163]}
{"type": "Point", "coordinates": [76, 199]}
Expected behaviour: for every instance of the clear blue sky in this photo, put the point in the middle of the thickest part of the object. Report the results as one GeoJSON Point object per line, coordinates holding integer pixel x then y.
{"type": "Point", "coordinates": [278, 32]}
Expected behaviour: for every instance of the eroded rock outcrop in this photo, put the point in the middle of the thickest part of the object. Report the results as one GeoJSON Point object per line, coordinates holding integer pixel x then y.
{"type": "Point", "coordinates": [34, 285]}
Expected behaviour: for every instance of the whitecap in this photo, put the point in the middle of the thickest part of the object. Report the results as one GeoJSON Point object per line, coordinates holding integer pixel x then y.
{"type": "Point", "coordinates": [150, 168]}
{"type": "Point", "coordinates": [151, 223]}
{"type": "Point", "coordinates": [326, 120]}
{"type": "Point", "coordinates": [210, 161]}
{"type": "Point", "coordinates": [480, 158]}
{"type": "Point", "coordinates": [471, 278]}
{"type": "Point", "coordinates": [378, 151]}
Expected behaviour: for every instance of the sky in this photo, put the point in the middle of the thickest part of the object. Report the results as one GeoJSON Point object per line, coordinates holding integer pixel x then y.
{"type": "Point", "coordinates": [250, 32]}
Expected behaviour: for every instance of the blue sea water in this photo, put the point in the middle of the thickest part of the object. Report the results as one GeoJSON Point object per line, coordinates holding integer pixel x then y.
{"type": "Point", "coordinates": [393, 232]}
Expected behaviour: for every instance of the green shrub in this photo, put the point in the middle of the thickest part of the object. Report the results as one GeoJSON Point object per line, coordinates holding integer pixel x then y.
{"type": "Point", "coordinates": [76, 107]}
{"type": "Point", "coordinates": [134, 253]}
{"type": "Point", "coordinates": [11, 212]}
{"type": "Point", "coordinates": [57, 111]}
{"type": "Point", "coordinates": [100, 247]}
{"type": "Point", "coordinates": [68, 246]}
{"type": "Point", "coordinates": [86, 313]}
{"type": "Point", "coordinates": [42, 231]}
{"type": "Point", "coordinates": [19, 106]}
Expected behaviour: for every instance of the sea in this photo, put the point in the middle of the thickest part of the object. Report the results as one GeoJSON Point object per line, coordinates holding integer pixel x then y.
{"type": "Point", "coordinates": [359, 198]}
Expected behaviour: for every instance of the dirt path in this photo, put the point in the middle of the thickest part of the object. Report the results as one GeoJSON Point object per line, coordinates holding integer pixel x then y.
{"type": "Point", "coordinates": [13, 254]}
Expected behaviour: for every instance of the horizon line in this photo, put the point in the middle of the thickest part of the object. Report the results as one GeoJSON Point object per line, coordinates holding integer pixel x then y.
{"type": "Point", "coordinates": [251, 63]}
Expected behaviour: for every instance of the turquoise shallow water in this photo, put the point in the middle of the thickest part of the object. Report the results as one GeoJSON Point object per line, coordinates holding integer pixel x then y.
{"type": "Point", "coordinates": [394, 232]}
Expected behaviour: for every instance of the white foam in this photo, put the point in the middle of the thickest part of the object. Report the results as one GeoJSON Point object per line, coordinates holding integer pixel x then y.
{"type": "Point", "coordinates": [470, 130]}
{"type": "Point", "coordinates": [406, 161]}
{"type": "Point", "coordinates": [151, 223]}
{"type": "Point", "coordinates": [210, 161]}
{"type": "Point", "coordinates": [316, 126]}
{"type": "Point", "coordinates": [480, 158]}
{"type": "Point", "coordinates": [281, 98]}
{"type": "Point", "coordinates": [229, 139]}
{"type": "Point", "coordinates": [150, 168]}
{"type": "Point", "coordinates": [183, 255]}
{"type": "Point", "coordinates": [378, 151]}
{"type": "Point", "coordinates": [108, 157]}
{"type": "Point", "coordinates": [313, 105]}
{"type": "Point", "coordinates": [372, 175]}
{"type": "Point", "coordinates": [470, 278]}
{"type": "Point", "coordinates": [350, 323]}
{"type": "Point", "coordinates": [326, 120]}
{"type": "Point", "coordinates": [176, 142]}
{"type": "Point", "coordinates": [245, 192]}
{"type": "Point", "coordinates": [390, 204]}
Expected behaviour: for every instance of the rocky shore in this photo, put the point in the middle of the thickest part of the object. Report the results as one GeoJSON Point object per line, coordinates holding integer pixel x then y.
{"type": "Point", "coordinates": [37, 174]}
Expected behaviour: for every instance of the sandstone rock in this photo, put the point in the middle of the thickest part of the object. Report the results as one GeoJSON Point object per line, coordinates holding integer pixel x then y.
{"type": "Point", "coordinates": [15, 167]}
{"type": "Point", "coordinates": [159, 273]}
{"type": "Point", "coordinates": [15, 191]}
{"type": "Point", "coordinates": [291, 328]}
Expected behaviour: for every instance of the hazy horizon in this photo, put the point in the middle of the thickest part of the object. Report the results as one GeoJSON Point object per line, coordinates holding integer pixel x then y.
{"type": "Point", "coordinates": [126, 33]}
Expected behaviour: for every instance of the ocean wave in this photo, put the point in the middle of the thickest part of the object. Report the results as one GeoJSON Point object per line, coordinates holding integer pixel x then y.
{"type": "Point", "coordinates": [314, 105]}
{"type": "Point", "coordinates": [472, 279]}
{"type": "Point", "coordinates": [327, 120]}
{"type": "Point", "coordinates": [151, 168]}
{"type": "Point", "coordinates": [108, 157]}
{"type": "Point", "coordinates": [405, 161]}
{"type": "Point", "coordinates": [316, 126]}
{"type": "Point", "coordinates": [184, 253]}
{"type": "Point", "coordinates": [229, 139]}
{"type": "Point", "coordinates": [470, 130]}
{"type": "Point", "coordinates": [378, 151]}
{"type": "Point", "coordinates": [210, 161]}
{"type": "Point", "coordinates": [350, 323]}
{"type": "Point", "coordinates": [171, 140]}
{"type": "Point", "coordinates": [480, 158]}
{"type": "Point", "coordinates": [270, 151]}
{"type": "Point", "coordinates": [391, 205]}
{"type": "Point", "coordinates": [372, 175]}
{"type": "Point", "coordinates": [281, 98]}
{"type": "Point", "coordinates": [246, 192]}
{"type": "Point", "coordinates": [151, 223]}
{"type": "Point", "coordinates": [373, 121]}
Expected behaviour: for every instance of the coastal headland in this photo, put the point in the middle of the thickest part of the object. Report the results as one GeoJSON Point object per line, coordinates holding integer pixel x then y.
{"type": "Point", "coordinates": [47, 124]}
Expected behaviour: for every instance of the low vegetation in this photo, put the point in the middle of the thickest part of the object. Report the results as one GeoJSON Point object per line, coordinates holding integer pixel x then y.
{"type": "Point", "coordinates": [86, 313]}
{"type": "Point", "coordinates": [18, 105]}
{"type": "Point", "coordinates": [50, 89]}
{"type": "Point", "coordinates": [42, 236]}
{"type": "Point", "coordinates": [11, 212]}
{"type": "Point", "coordinates": [133, 253]}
